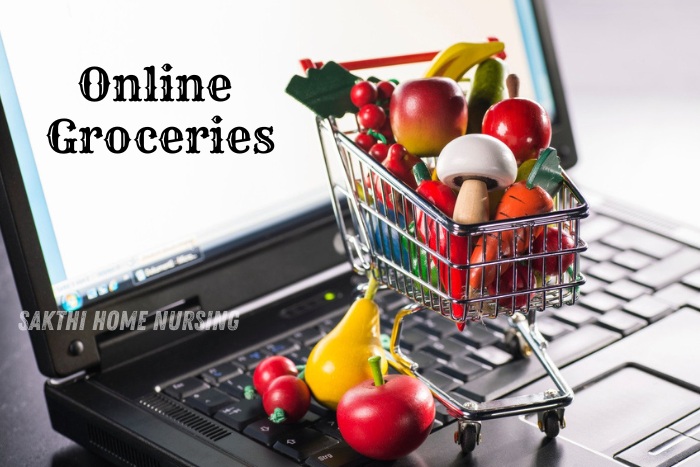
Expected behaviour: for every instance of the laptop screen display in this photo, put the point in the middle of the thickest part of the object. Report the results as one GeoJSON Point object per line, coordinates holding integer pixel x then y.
{"type": "Point", "coordinates": [155, 136]}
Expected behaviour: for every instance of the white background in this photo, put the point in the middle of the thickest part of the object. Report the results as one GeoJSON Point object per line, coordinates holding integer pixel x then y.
{"type": "Point", "coordinates": [113, 206]}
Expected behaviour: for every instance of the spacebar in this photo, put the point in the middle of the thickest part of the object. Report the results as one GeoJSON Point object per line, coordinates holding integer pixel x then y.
{"type": "Point", "coordinates": [514, 375]}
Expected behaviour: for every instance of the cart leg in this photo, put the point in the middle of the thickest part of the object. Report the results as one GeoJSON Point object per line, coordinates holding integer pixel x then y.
{"type": "Point", "coordinates": [468, 435]}
{"type": "Point", "coordinates": [401, 362]}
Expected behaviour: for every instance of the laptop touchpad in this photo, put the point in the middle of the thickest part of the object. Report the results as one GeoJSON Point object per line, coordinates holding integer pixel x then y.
{"type": "Point", "coordinates": [624, 407]}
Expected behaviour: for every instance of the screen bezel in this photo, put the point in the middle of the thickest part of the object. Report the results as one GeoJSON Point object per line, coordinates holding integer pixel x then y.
{"type": "Point", "coordinates": [207, 284]}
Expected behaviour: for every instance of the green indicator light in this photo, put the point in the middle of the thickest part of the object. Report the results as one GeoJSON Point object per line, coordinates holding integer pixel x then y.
{"type": "Point", "coordinates": [329, 296]}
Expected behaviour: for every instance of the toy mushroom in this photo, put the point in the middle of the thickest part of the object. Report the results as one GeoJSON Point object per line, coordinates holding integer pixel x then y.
{"type": "Point", "coordinates": [475, 164]}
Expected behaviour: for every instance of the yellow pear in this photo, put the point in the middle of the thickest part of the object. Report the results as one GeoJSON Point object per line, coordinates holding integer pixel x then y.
{"type": "Point", "coordinates": [339, 360]}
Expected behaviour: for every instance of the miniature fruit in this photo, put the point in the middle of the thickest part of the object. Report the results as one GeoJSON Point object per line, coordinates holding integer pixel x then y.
{"type": "Point", "coordinates": [371, 116]}
{"type": "Point", "coordinates": [384, 90]}
{"type": "Point", "coordinates": [457, 59]}
{"type": "Point", "coordinates": [521, 123]}
{"type": "Point", "coordinates": [549, 242]}
{"type": "Point", "coordinates": [426, 114]}
{"type": "Point", "coordinates": [488, 89]}
{"type": "Point", "coordinates": [388, 417]}
{"type": "Point", "coordinates": [339, 360]}
{"type": "Point", "coordinates": [287, 399]}
{"type": "Point", "coordinates": [365, 140]}
{"type": "Point", "coordinates": [270, 369]}
{"type": "Point", "coordinates": [379, 151]}
{"type": "Point", "coordinates": [400, 163]}
{"type": "Point", "coordinates": [363, 93]}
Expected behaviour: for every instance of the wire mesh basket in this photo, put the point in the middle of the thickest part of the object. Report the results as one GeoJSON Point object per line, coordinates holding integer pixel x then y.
{"type": "Point", "coordinates": [527, 264]}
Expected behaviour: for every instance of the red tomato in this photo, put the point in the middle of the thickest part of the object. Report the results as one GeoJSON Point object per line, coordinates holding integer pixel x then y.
{"type": "Point", "coordinates": [270, 369]}
{"type": "Point", "coordinates": [549, 241]}
{"type": "Point", "coordinates": [290, 394]}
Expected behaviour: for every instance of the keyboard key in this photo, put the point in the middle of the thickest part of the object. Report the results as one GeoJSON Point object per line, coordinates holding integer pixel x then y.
{"type": "Point", "coordinates": [185, 388]}
{"type": "Point", "coordinates": [282, 347]}
{"type": "Point", "coordinates": [235, 386]}
{"type": "Point", "coordinates": [632, 259]}
{"type": "Point", "coordinates": [424, 360]}
{"type": "Point", "coordinates": [631, 237]}
{"type": "Point", "coordinates": [621, 322]}
{"type": "Point", "coordinates": [441, 380]}
{"type": "Point", "coordinates": [319, 409]}
{"type": "Point", "coordinates": [692, 279]}
{"type": "Point", "coordinates": [499, 324]}
{"type": "Point", "coordinates": [446, 349]}
{"type": "Point", "coordinates": [328, 425]}
{"type": "Point", "coordinates": [492, 356]}
{"type": "Point", "coordinates": [608, 272]}
{"type": "Point", "coordinates": [251, 359]}
{"type": "Point", "coordinates": [596, 227]}
{"type": "Point", "coordinates": [221, 373]}
{"type": "Point", "coordinates": [599, 252]}
{"type": "Point", "coordinates": [242, 413]}
{"type": "Point", "coordinates": [668, 270]}
{"type": "Point", "coordinates": [648, 307]}
{"type": "Point", "coordinates": [502, 380]}
{"type": "Point", "coordinates": [592, 285]}
{"type": "Point", "coordinates": [209, 401]}
{"type": "Point", "coordinates": [266, 431]}
{"type": "Point", "coordinates": [414, 338]}
{"type": "Point", "coordinates": [299, 357]}
{"type": "Point", "coordinates": [477, 336]}
{"type": "Point", "coordinates": [575, 315]}
{"type": "Point", "coordinates": [601, 302]}
{"type": "Point", "coordinates": [678, 295]}
{"type": "Point", "coordinates": [464, 369]}
{"type": "Point", "coordinates": [551, 329]}
{"type": "Point", "coordinates": [627, 289]}
{"type": "Point", "coordinates": [308, 337]}
{"type": "Point", "coordinates": [338, 455]}
{"type": "Point", "coordinates": [303, 443]}
{"type": "Point", "coordinates": [439, 327]}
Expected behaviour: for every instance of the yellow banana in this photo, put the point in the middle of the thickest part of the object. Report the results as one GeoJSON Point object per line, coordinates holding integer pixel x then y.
{"type": "Point", "coordinates": [457, 59]}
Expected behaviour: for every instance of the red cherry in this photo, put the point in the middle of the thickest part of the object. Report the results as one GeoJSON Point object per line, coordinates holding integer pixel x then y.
{"type": "Point", "coordinates": [290, 394]}
{"type": "Point", "coordinates": [385, 130]}
{"type": "Point", "coordinates": [379, 151]}
{"type": "Point", "coordinates": [365, 141]}
{"type": "Point", "coordinates": [362, 93]}
{"type": "Point", "coordinates": [549, 241]}
{"type": "Point", "coordinates": [371, 116]}
{"type": "Point", "coordinates": [270, 369]}
{"type": "Point", "coordinates": [384, 90]}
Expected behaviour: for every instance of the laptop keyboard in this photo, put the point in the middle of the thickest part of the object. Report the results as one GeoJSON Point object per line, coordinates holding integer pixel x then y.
{"type": "Point", "coordinates": [634, 279]}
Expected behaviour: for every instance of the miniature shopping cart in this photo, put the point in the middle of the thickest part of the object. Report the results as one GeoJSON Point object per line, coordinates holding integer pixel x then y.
{"type": "Point", "coordinates": [378, 217]}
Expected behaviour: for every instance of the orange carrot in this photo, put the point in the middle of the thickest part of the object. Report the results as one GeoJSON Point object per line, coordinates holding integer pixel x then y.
{"type": "Point", "coordinates": [518, 201]}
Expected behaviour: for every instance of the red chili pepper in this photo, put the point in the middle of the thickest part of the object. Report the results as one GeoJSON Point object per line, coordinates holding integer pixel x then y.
{"type": "Point", "coordinates": [443, 198]}
{"type": "Point", "coordinates": [400, 162]}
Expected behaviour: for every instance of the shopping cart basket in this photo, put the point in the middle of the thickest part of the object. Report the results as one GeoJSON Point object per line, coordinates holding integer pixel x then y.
{"type": "Point", "coordinates": [411, 247]}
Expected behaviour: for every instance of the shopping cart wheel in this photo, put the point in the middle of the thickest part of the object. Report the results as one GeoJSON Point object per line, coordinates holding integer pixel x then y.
{"type": "Point", "coordinates": [468, 436]}
{"type": "Point", "coordinates": [515, 344]}
{"type": "Point", "coordinates": [550, 422]}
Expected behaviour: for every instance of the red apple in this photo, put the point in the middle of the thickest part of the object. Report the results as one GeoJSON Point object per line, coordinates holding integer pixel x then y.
{"type": "Point", "coordinates": [426, 114]}
{"type": "Point", "coordinates": [388, 417]}
{"type": "Point", "coordinates": [520, 123]}
{"type": "Point", "coordinates": [550, 240]}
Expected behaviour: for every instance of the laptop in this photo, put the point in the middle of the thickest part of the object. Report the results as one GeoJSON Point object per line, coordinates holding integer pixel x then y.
{"type": "Point", "coordinates": [95, 236]}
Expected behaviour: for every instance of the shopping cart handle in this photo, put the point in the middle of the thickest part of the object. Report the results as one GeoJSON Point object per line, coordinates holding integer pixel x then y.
{"type": "Point", "coordinates": [307, 63]}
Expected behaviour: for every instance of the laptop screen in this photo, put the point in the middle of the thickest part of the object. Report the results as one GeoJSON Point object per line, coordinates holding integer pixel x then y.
{"type": "Point", "coordinates": [156, 136]}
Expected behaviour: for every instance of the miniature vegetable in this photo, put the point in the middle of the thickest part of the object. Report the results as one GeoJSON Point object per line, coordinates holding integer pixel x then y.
{"type": "Point", "coordinates": [475, 164]}
{"type": "Point", "coordinates": [270, 369]}
{"type": "Point", "coordinates": [326, 91]}
{"type": "Point", "coordinates": [518, 201]}
{"type": "Point", "coordinates": [287, 399]}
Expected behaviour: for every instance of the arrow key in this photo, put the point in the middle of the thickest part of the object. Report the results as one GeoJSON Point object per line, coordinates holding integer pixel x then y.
{"type": "Point", "coordinates": [266, 431]}
{"type": "Point", "coordinates": [303, 443]}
